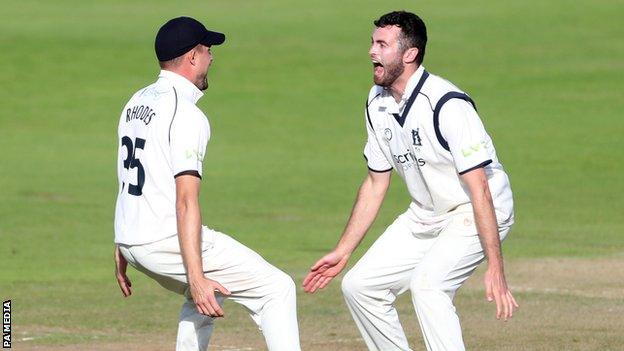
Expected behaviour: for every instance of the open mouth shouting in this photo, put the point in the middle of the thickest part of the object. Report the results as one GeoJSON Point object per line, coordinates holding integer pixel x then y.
{"type": "Point", "coordinates": [378, 69]}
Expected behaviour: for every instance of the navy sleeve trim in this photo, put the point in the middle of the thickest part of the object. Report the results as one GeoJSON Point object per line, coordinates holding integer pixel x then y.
{"type": "Point", "coordinates": [375, 170]}
{"type": "Point", "coordinates": [436, 114]}
{"type": "Point", "coordinates": [191, 173]}
{"type": "Point", "coordinates": [480, 165]}
{"type": "Point", "coordinates": [367, 114]}
{"type": "Point", "coordinates": [378, 171]}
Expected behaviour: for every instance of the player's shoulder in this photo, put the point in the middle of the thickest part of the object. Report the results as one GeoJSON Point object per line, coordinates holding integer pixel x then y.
{"type": "Point", "coordinates": [373, 94]}
{"type": "Point", "coordinates": [372, 107]}
{"type": "Point", "coordinates": [447, 98]}
{"type": "Point", "coordinates": [190, 117]}
{"type": "Point", "coordinates": [153, 94]}
{"type": "Point", "coordinates": [190, 110]}
{"type": "Point", "coordinates": [436, 87]}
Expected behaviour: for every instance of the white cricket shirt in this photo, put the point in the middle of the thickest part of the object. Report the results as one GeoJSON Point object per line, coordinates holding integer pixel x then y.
{"type": "Point", "coordinates": [162, 134]}
{"type": "Point", "coordinates": [431, 137]}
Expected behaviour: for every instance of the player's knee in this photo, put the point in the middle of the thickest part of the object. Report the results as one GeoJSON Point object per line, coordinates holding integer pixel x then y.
{"type": "Point", "coordinates": [284, 284]}
{"type": "Point", "coordinates": [418, 283]}
{"type": "Point", "coordinates": [422, 288]}
{"type": "Point", "coordinates": [351, 284]}
{"type": "Point", "coordinates": [289, 284]}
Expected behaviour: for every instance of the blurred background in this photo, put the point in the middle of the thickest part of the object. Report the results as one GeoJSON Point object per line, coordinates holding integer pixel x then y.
{"type": "Point", "coordinates": [285, 104]}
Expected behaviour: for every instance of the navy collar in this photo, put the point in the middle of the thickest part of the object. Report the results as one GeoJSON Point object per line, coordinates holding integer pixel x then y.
{"type": "Point", "coordinates": [408, 104]}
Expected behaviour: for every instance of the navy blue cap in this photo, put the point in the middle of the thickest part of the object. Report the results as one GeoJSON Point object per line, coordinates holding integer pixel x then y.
{"type": "Point", "coordinates": [180, 35]}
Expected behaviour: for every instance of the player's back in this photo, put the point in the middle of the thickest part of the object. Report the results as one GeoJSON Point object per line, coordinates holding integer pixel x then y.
{"type": "Point", "coordinates": [146, 168]}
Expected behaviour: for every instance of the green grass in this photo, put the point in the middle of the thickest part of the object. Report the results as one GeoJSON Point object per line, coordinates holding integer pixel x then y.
{"type": "Point", "coordinates": [285, 105]}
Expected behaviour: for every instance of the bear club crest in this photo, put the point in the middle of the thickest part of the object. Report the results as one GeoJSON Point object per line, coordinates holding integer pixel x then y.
{"type": "Point", "coordinates": [416, 138]}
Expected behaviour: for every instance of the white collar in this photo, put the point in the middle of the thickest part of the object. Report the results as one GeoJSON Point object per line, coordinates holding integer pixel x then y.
{"type": "Point", "coordinates": [394, 107]}
{"type": "Point", "coordinates": [184, 87]}
{"type": "Point", "coordinates": [409, 87]}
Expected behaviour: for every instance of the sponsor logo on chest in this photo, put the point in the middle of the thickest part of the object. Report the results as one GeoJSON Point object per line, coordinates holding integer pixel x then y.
{"type": "Point", "coordinates": [403, 146]}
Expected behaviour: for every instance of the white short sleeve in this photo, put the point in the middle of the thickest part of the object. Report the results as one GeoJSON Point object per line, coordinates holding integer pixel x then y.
{"type": "Point", "coordinates": [465, 134]}
{"type": "Point", "coordinates": [188, 138]}
{"type": "Point", "coordinates": [375, 158]}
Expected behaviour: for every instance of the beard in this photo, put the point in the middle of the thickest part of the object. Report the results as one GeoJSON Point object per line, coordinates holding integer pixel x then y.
{"type": "Point", "coordinates": [201, 82]}
{"type": "Point", "coordinates": [391, 71]}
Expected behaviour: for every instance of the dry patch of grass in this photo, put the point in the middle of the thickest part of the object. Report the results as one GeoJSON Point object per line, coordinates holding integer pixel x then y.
{"type": "Point", "coordinates": [566, 304]}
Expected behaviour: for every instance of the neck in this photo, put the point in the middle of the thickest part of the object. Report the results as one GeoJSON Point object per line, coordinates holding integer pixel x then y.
{"type": "Point", "coordinates": [182, 72]}
{"type": "Point", "coordinates": [398, 87]}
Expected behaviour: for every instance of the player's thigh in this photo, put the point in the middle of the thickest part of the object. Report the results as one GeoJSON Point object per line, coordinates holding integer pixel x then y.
{"type": "Point", "coordinates": [160, 261]}
{"type": "Point", "coordinates": [389, 262]}
{"type": "Point", "coordinates": [242, 270]}
{"type": "Point", "coordinates": [453, 257]}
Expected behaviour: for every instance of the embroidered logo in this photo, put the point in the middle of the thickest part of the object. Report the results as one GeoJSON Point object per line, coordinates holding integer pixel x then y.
{"type": "Point", "coordinates": [416, 138]}
{"type": "Point", "coordinates": [388, 134]}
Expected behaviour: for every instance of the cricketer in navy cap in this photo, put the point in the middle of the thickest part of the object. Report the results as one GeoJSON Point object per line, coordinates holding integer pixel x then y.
{"type": "Point", "coordinates": [179, 35]}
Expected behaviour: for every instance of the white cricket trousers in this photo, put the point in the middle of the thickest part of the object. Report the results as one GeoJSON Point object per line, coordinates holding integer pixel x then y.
{"type": "Point", "coordinates": [267, 293]}
{"type": "Point", "coordinates": [432, 265]}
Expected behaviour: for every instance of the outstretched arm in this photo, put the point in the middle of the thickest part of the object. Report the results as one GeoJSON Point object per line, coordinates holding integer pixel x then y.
{"type": "Point", "coordinates": [188, 214]}
{"type": "Point", "coordinates": [485, 218]}
{"type": "Point", "coordinates": [369, 199]}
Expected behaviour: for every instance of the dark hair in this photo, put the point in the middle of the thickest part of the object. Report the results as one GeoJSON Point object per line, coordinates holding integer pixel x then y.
{"type": "Point", "coordinates": [413, 30]}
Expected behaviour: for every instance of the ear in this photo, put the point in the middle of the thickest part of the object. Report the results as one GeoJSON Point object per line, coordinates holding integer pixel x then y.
{"type": "Point", "coordinates": [409, 56]}
{"type": "Point", "coordinates": [191, 56]}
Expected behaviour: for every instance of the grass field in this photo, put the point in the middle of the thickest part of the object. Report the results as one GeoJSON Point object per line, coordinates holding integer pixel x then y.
{"type": "Point", "coordinates": [282, 168]}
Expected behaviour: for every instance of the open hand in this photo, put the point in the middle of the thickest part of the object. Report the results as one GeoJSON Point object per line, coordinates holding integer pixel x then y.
{"type": "Point", "coordinates": [324, 270]}
{"type": "Point", "coordinates": [496, 290]}
{"type": "Point", "coordinates": [120, 273]}
{"type": "Point", "coordinates": [203, 290]}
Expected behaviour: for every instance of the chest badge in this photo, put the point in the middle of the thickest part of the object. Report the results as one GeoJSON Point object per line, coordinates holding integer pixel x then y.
{"type": "Point", "coordinates": [388, 134]}
{"type": "Point", "coordinates": [416, 138]}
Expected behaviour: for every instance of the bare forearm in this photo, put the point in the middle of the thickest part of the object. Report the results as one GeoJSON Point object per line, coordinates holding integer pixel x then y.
{"type": "Point", "coordinates": [189, 235]}
{"type": "Point", "coordinates": [487, 227]}
{"type": "Point", "coordinates": [369, 199]}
